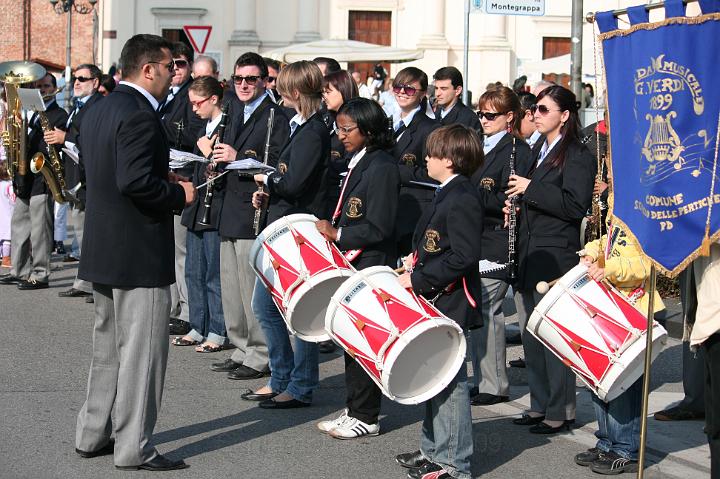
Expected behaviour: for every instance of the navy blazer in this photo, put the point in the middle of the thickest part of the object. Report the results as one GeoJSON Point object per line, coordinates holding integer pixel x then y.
{"type": "Point", "coordinates": [296, 186]}
{"type": "Point", "coordinates": [551, 211]}
{"type": "Point", "coordinates": [369, 209]}
{"type": "Point", "coordinates": [447, 248]}
{"type": "Point", "coordinates": [75, 172]}
{"type": "Point", "coordinates": [460, 114]}
{"type": "Point", "coordinates": [179, 109]}
{"type": "Point", "coordinates": [128, 240]}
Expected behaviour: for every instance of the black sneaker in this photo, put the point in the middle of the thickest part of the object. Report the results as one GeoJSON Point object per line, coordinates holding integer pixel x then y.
{"type": "Point", "coordinates": [418, 472]}
{"type": "Point", "coordinates": [611, 463]}
{"type": "Point", "coordinates": [588, 457]}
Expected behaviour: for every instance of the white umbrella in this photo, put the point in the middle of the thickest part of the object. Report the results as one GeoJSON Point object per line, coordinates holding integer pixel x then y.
{"type": "Point", "coordinates": [344, 51]}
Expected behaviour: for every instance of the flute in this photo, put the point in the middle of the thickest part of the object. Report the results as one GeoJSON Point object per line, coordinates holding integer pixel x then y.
{"type": "Point", "coordinates": [261, 212]}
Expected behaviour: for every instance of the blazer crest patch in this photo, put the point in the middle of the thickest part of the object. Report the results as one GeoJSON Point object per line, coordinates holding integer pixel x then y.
{"type": "Point", "coordinates": [408, 159]}
{"type": "Point", "coordinates": [282, 168]}
{"type": "Point", "coordinates": [487, 183]}
{"type": "Point", "coordinates": [432, 238]}
{"type": "Point", "coordinates": [250, 154]}
{"type": "Point", "coordinates": [334, 154]}
{"type": "Point", "coordinates": [354, 210]}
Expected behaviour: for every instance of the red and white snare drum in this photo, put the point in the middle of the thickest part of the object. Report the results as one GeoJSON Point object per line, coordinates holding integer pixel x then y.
{"type": "Point", "coordinates": [301, 269]}
{"type": "Point", "coordinates": [595, 331]}
{"type": "Point", "coordinates": [409, 348]}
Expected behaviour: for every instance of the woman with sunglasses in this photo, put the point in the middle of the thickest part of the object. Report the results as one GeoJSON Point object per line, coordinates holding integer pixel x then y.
{"type": "Point", "coordinates": [363, 221]}
{"type": "Point", "coordinates": [202, 262]}
{"type": "Point", "coordinates": [412, 127]}
{"type": "Point", "coordinates": [295, 187]}
{"type": "Point", "coordinates": [338, 88]}
{"type": "Point", "coordinates": [555, 197]}
{"type": "Point", "coordinates": [499, 113]}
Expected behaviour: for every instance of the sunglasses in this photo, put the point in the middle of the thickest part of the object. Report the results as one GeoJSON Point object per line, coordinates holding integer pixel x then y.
{"type": "Point", "coordinates": [409, 90]}
{"type": "Point", "coordinates": [199, 102]}
{"type": "Point", "coordinates": [489, 116]}
{"type": "Point", "coordinates": [181, 63]}
{"type": "Point", "coordinates": [271, 79]}
{"type": "Point", "coordinates": [250, 79]}
{"type": "Point", "coordinates": [540, 109]}
{"type": "Point", "coordinates": [170, 66]}
{"type": "Point", "coordinates": [80, 79]}
{"type": "Point", "coordinates": [346, 130]}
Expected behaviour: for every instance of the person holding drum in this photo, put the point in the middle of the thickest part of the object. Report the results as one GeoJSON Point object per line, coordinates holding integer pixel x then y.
{"type": "Point", "coordinates": [363, 226]}
{"type": "Point", "coordinates": [444, 268]}
{"type": "Point", "coordinates": [555, 198]}
{"type": "Point", "coordinates": [293, 188]}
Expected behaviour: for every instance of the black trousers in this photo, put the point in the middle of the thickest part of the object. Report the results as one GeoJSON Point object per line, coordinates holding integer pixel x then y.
{"type": "Point", "coordinates": [363, 395]}
{"type": "Point", "coordinates": [712, 401]}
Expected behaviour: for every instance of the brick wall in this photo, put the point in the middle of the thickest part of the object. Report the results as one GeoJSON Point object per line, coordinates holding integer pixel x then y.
{"type": "Point", "coordinates": [46, 38]}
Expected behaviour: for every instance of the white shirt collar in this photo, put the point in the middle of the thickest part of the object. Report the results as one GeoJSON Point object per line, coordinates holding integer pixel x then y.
{"type": "Point", "coordinates": [545, 149]}
{"type": "Point", "coordinates": [444, 183]}
{"type": "Point", "coordinates": [407, 120]}
{"type": "Point", "coordinates": [250, 108]}
{"type": "Point", "coordinates": [444, 112]}
{"type": "Point", "coordinates": [211, 125]}
{"type": "Point", "coordinates": [492, 141]}
{"type": "Point", "coordinates": [356, 158]}
{"type": "Point", "coordinates": [144, 92]}
{"type": "Point", "coordinates": [534, 138]}
{"type": "Point", "coordinates": [295, 122]}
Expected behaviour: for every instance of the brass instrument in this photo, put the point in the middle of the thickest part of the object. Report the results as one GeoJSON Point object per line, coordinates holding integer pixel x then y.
{"type": "Point", "coordinates": [13, 74]}
{"type": "Point", "coordinates": [52, 172]}
{"type": "Point", "coordinates": [597, 205]}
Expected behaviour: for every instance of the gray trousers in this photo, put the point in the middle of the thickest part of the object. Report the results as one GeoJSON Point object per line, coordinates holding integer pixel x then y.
{"type": "Point", "coordinates": [488, 342]}
{"type": "Point", "coordinates": [237, 281]}
{"type": "Point", "coordinates": [127, 372]}
{"type": "Point", "coordinates": [76, 224]}
{"type": "Point", "coordinates": [32, 238]}
{"type": "Point", "coordinates": [551, 383]}
{"type": "Point", "coordinates": [178, 290]}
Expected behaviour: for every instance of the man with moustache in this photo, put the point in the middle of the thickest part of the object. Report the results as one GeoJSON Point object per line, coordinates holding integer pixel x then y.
{"type": "Point", "coordinates": [130, 202]}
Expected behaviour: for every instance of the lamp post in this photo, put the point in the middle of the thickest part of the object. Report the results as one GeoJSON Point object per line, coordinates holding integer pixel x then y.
{"type": "Point", "coordinates": [67, 6]}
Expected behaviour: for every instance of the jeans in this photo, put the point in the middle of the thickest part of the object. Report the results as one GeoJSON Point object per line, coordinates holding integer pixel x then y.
{"type": "Point", "coordinates": [619, 422]}
{"type": "Point", "coordinates": [447, 428]}
{"type": "Point", "coordinates": [294, 371]}
{"type": "Point", "coordinates": [202, 274]}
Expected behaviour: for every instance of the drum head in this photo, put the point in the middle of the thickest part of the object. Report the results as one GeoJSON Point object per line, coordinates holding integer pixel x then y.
{"type": "Point", "coordinates": [422, 363]}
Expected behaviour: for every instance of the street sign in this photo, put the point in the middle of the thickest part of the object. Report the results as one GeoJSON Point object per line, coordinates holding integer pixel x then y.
{"type": "Point", "coordinates": [515, 7]}
{"type": "Point", "coordinates": [198, 36]}
{"type": "Point", "coordinates": [475, 5]}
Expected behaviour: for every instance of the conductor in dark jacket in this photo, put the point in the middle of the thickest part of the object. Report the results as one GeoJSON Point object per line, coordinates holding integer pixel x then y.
{"type": "Point", "coordinates": [130, 203]}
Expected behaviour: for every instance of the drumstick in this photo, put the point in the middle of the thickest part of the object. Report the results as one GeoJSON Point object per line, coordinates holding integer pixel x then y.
{"type": "Point", "coordinates": [544, 286]}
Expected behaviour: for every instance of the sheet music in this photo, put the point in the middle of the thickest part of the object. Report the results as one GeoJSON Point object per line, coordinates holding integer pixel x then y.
{"type": "Point", "coordinates": [249, 164]}
{"type": "Point", "coordinates": [72, 152]}
{"type": "Point", "coordinates": [487, 266]}
{"type": "Point", "coordinates": [180, 159]}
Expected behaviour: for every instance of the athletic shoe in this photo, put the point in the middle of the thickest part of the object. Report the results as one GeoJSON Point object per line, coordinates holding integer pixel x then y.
{"type": "Point", "coordinates": [352, 428]}
{"type": "Point", "coordinates": [588, 457]}
{"type": "Point", "coordinates": [327, 426]}
{"type": "Point", "coordinates": [611, 463]}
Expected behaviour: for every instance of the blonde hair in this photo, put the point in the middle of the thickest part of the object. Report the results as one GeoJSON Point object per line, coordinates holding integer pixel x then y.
{"type": "Point", "coordinates": [306, 79]}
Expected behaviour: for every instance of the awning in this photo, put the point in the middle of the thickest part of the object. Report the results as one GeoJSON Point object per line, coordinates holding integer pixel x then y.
{"type": "Point", "coordinates": [344, 51]}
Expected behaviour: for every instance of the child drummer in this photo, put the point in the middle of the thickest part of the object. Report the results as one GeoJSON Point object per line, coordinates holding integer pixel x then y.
{"type": "Point", "coordinates": [444, 265]}
{"type": "Point", "coordinates": [627, 269]}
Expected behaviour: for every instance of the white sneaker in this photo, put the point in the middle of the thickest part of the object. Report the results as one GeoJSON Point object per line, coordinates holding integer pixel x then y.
{"type": "Point", "coordinates": [353, 428]}
{"type": "Point", "coordinates": [327, 426]}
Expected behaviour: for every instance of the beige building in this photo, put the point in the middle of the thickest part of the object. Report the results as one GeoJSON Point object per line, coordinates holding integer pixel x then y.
{"type": "Point", "coordinates": [501, 47]}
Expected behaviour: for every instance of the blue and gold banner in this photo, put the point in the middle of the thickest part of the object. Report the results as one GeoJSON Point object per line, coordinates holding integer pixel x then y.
{"type": "Point", "coordinates": [663, 101]}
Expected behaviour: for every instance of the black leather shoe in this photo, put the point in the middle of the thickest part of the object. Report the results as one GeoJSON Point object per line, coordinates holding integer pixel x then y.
{"type": "Point", "coordinates": [73, 293]}
{"type": "Point", "coordinates": [249, 395]}
{"type": "Point", "coordinates": [178, 327]}
{"type": "Point", "coordinates": [157, 463]}
{"type": "Point", "coordinates": [106, 450]}
{"type": "Point", "coordinates": [588, 457]}
{"type": "Point", "coordinates": [427, 468]}
{"type": "Point", "coordinates": [245, 372]}
{"type": "Point", "coordinates": [326, 347]}
{"type": "Point", "coordinates": [9, 279]}
{"type": "Point", "coordinates": [32, 284]}
{"type": "Point", "coordinates": [528, 420]}
{"type": "Point", "coordinates": [485, 399]}
{"type": "Point", "coordinates": [517, 363]}
{"type": "Point", "coordinates": [411, 459]}
{"type": "Point", "coordinates": [290, 404]}
{"type": "Point", "coordinates": [543, 428]}
{"type": "Point", "coordinates": [225, 366]}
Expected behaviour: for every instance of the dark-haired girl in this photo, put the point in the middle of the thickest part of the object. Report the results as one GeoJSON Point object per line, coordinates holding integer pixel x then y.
{"type": "Point", "coordinates": [363, 223]}
{"type": "Point", "coordinates": [555, 197]}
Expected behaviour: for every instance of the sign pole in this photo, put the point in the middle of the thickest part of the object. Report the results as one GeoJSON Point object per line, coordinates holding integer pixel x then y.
{"type": "Point", "coordinates": [466, 48]}
{"type": "Point", "coordinates": [576, 34]}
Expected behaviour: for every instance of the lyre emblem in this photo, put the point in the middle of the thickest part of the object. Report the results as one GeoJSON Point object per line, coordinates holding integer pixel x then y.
{"type": "Point", "coordinates": [354, 207]}
{"type": "Point", "coordinates": [432, 238]}
{"type": "Point", "coordinates": [408, 159]}
{"type": "Point", "coordinates": [662, 143]}
{"type": "Point", "coordinates": [487, 183]}
{"type": "Point", "coordinates": [250, 154]}
{"type": "Point", "coordinates": [282, 168]}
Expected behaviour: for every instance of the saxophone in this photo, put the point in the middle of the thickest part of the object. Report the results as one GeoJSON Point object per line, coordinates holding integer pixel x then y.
{"type": "Point", "coordinates": [52, 172]}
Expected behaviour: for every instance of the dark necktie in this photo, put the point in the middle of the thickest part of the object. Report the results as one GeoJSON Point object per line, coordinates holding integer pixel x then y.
{"type": "Point", "coordinates": [399, 131]}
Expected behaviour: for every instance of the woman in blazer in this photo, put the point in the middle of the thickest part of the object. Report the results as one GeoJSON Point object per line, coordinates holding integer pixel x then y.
{"type": "Point", "coordinates": [363, 225]}
{"type": "Point", "coordinates": [293, 188]}
{"type": "Point", "coordinates": [555, 198]}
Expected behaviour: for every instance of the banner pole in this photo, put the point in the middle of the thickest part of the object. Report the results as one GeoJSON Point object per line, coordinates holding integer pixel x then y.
{"type": "Point", "coordinates": [646, 373]}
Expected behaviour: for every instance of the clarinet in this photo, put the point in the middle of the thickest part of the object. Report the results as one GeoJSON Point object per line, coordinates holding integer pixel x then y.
{"type": "Point", "coordinates": [512, 224]}
{"type": "Point", "coordinates": [261, 212]}
{"type": "Point", "coordinates": [207, 200]}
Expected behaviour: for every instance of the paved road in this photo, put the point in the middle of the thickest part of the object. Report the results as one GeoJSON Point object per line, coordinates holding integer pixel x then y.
{"type": "Point", "coordinates": [45, 358]}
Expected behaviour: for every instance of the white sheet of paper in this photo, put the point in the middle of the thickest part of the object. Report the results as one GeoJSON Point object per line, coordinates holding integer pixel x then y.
{"type": "Point", "coordinates": [181, 159]}
{"type": "Point", "coordinates": [248, 164]}
{"type": "Point", "coordinates": [487, 266]}
{"type": "Point", "coordinates": [31, 99]}
{"type": "Point", "coordinates": [72, 154]}
{"type": "Point", "coordinates": [434, 186]}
